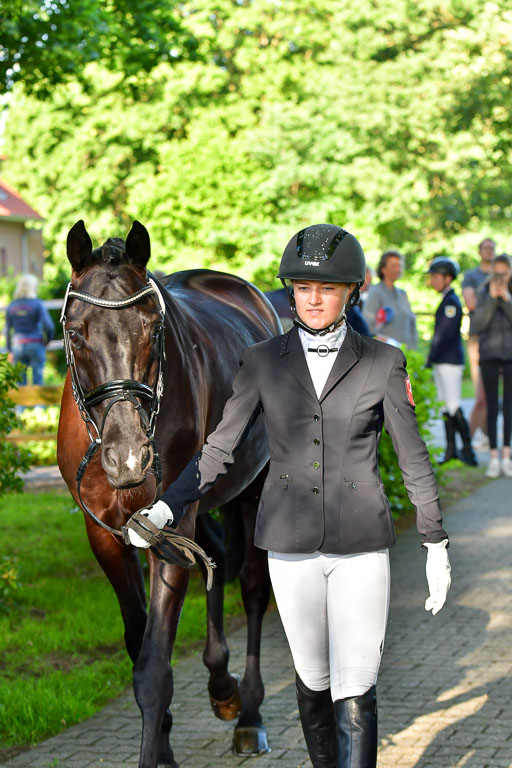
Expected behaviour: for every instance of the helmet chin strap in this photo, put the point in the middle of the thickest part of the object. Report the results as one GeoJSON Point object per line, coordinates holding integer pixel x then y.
{"type": "Point", "coordinates": [320, 331]}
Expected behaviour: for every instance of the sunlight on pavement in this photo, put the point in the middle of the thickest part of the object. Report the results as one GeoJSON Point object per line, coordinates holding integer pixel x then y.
{"type": "Point", "coordinates": [423, 731]}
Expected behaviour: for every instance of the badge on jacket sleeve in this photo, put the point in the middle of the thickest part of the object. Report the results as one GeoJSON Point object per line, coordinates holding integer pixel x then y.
{"type": "Point", "coordinates": [450, 311]}
{"type": "Point", "coordinates": [408, 389]}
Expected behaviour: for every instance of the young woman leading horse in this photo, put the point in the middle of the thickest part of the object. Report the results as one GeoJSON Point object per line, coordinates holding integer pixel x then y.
{"type": "Point", "coordinates": [325, 393]}
{"type": "Point", "coordinates": [150, 371]}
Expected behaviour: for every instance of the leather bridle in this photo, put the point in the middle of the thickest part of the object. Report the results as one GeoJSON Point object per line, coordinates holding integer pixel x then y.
{"type": "Point", "coordinates": [167, 545]}
{"type": "Point", "coordinates": [117, 390]}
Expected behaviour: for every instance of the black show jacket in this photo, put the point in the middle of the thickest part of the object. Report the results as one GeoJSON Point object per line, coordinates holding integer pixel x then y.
{"type": "Point", "coordinates": [323, 490]}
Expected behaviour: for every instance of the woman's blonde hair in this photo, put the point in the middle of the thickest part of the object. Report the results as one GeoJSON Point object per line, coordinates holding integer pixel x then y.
{"type": "Point", "coordinates": [27, 287]}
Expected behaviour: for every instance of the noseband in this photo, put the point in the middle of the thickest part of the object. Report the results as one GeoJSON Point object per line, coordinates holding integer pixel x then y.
{"type": "Point", "coordinates": [117, 390]}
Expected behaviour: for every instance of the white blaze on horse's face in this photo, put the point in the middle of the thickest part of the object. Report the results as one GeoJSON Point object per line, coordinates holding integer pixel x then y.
{"type": "Point", "coordinates": [131, 461]}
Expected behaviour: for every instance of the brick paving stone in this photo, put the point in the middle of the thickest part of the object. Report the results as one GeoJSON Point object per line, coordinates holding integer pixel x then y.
{"type": "Point", "coordinates": [444, 686]}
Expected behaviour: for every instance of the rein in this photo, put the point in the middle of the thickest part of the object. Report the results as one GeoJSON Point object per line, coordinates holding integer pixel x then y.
{"type": "Point", "coordinates": [168, 546]}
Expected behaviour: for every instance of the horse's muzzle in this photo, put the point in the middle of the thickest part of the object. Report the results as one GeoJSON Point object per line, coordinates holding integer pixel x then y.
{"type": "Point", "coordinates": [126, 466]}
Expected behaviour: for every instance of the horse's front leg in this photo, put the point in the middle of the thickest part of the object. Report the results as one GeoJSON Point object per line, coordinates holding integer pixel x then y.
{"type": "Point", "coordinates": [224, 688]}
{"type": "Point", "coordinates": [250, 736]}
{"type": "Point", "coordinates": [152, 673]}
{"type": "Point", "coordinates": [121, 565]}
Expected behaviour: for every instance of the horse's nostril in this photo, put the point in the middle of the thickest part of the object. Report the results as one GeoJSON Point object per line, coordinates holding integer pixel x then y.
{"type": "Point", "coordinates": [147, 455]}
{"type": "Point", "coordinates": [110, 460]}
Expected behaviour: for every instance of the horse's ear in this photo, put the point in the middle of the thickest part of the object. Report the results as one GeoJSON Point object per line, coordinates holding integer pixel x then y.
{"type": "Point", "coordinates": [138, 249]}
{"type": "Point", "coordinates": [79, 246]}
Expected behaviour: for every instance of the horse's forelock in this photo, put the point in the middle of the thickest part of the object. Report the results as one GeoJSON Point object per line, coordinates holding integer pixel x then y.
{"type": "Point", "coordinates": [111, 252]}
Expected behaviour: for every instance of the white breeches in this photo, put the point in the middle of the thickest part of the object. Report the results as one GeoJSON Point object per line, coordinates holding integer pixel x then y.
{"type": "Point", "coordinates": [334, 610]}
{"type": "Point", "coordinates": [448, 380]}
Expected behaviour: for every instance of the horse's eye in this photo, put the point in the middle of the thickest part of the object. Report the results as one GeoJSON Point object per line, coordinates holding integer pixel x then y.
{"type": "Point", "coordinates": [74, 337]}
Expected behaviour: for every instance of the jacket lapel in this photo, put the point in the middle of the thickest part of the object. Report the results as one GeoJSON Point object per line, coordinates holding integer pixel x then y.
{"type": "Point", "coordinates": [293, 357]}
{"type": "Point", "coordinates": [346, 358]}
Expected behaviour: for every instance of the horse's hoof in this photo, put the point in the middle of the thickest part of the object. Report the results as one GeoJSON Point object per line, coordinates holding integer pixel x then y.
{"type": "Point", "coordinates": [250, 740]}
{"type": "Point", "coordinates": [230, 708]}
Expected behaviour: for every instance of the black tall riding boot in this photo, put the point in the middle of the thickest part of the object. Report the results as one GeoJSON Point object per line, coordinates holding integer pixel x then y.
{"type": "Point", "coordinates": [356, 723]}
{"type": "Point", "coordinates": [467, 454]}
{"type": "Point", "coordinates": [318, 724]}
{"type": "Point", "coordinates": [449, 428]}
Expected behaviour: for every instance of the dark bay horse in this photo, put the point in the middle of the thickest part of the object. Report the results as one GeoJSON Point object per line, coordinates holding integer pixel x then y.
{"type": "Point", "coordinates": [150, 370]}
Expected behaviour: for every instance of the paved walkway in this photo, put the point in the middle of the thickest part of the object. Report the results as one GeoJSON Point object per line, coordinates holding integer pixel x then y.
{"type": "Point", "coordinates": [444, 689]}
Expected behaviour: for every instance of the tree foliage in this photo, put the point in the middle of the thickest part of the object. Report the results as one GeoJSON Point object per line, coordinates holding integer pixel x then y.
{"type": "Point", "coordinates": [47, 42]}
{"type": "Point", "coordinates": [391, 118]}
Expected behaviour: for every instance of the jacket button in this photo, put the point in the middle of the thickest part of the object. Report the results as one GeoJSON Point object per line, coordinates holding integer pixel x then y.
{"type": "Point", "coordinates": [316, 465]}
{"type": "Point", "coordinates": [316, 441]}
{"type": "Point", "coordinates": [316, 417]}
{"type": "Point", "coordinates": [315, 490]}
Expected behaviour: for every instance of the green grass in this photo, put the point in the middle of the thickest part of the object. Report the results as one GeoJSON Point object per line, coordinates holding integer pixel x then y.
{"type": "Point", "coordinates": [468, 391]}
{"type": "Point", "coordinates": [61, 647]}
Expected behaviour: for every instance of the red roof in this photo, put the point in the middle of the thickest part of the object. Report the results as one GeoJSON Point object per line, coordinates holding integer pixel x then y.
{"type": "Point", "coordinates": [12, 206]}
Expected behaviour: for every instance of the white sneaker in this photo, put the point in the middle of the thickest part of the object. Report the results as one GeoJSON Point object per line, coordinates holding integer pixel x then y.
{"type": "Point", "coordinates": [480, 441]}
{"type": "Point", "coordinates": [506, 466]}
{"type": "Point", "coordinates": [493, 469]}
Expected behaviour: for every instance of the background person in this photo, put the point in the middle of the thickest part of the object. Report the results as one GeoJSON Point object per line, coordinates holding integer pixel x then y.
{"type": "Point", "coordinates": [472, 281]}
{"type": "Point", "coordinates": [446, 357]}
{"type": "Point", "coordinates": [387, 310]}
{"type": "Point", "coordinates": [325, 393]}
{"type": "Point", "coordinates": [492, 320]}
{"type": "Point", "coordinates": [28, 328]}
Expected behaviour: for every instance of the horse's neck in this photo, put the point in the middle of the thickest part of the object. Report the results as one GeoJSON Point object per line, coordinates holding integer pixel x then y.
{"type": "Point", "coordinates": [181, 334]}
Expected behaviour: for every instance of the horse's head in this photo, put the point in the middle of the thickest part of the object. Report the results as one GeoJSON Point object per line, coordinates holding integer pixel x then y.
{"type": "Point", "coordinates": [113, 329]}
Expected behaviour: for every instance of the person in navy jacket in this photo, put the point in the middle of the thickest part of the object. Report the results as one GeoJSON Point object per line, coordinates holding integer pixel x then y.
{"type": "Point", "coordinates": [446, 357]}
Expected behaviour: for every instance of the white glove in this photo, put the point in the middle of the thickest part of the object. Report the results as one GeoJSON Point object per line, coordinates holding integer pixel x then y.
{"type": "Point", "coordinates": [159, 514]}
{"type": "Point", "coordinates": [438, 575]}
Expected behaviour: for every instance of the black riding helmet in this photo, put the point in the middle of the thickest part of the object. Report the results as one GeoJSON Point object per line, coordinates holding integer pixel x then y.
{"type": "Point", "coordinates": [442, 265]}
{"type": "Point", "coordinates": [326, 253]}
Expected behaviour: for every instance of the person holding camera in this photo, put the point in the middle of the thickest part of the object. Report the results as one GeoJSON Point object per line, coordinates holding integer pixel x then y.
{"type": "Point", "coordinates": [472, 281]}
{"type": "Point", "coordinates": [492, 320]}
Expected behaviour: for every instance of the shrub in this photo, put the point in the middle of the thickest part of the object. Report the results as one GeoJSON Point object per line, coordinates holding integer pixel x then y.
{"type": "Point", "coordinates": [37, 421]}
{"type": "Point", "coordinates": [13, 458]}
{"type": "Point", "coordinates": [427, 407]}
